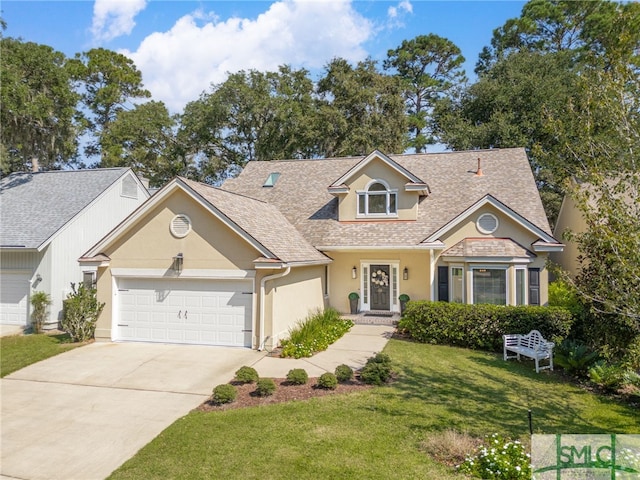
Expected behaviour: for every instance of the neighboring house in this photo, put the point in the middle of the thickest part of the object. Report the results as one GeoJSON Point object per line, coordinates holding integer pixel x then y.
{"type": "Point", "coordinates": [48, 220]}
{"type": "Point", "coordinates": [242, 264]}
{"type": "Point", "coordinates": [569, 219]}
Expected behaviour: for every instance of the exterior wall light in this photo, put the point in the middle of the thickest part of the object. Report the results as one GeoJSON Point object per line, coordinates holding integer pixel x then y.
{"type": "Point", "coordinates": [177, 263]}
{"type": "Point", "coordinates": [405, 274]}
{"type": "Point", "coordinates": [354, 272]}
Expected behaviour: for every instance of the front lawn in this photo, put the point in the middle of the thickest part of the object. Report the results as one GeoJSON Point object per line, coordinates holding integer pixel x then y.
{"type": "Point", "coordinates": [18, 351]}
{"type": "Point", "coordinates": [378, 433]}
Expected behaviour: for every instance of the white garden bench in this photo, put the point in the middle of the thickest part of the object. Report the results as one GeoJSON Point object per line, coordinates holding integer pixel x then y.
{"type": "Point", "coordinates": [531, 345]}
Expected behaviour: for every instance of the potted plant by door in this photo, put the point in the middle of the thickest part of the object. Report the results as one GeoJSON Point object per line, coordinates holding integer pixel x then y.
{"type": "Point", "coordinates": [353, 302]}
{"type": "Point", "coordinates": [404, 298]}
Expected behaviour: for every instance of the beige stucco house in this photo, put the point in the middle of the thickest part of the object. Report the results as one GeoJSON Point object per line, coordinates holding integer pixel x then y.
{"type": "Point", "coordinates": [239, 265]}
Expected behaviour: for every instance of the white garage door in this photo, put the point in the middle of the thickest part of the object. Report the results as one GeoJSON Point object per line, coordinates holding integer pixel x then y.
{"type": "Point", "coordinates": [14, 290]}
{"type": "Point", "coordinates": [208, 312]}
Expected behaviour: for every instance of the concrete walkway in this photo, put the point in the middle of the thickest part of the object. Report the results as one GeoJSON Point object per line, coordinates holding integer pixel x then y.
{"type": "Point", "coordinates": [360, 343]}
{"type": "Point", "coordinates": [81, 414]}
{"type": "Point", "coordinates": [8, 330]}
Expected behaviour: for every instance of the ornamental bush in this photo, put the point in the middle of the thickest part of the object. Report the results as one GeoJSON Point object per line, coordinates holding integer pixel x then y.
{"type": "Point", "coordinates": [265, 387]}
{"type": "Point", "coordinates": [315, 333]}
{"type": "Point", "coordinates": [343, 373]}
{"type": "Point", "coordinates": [377, 370]}
{"type": "Point", "coordinates": [374, 373]}
{"type": "Point", "coordinates": [39, 301]}
{"type": "Point", "coordinates": [328, 381]}
{"type": "Point", "coordinates": [297, 376]}
{"type": "Point", "coordinates": [224, 393]}
{"type": "Point", "coordinates": [246, 375]}
{"type": "Point", "coordinates": [81, 312]}
{"type": "Point", "coordinates": [498, 459]}
{"type": "Point", "coordinates": [481, 326]}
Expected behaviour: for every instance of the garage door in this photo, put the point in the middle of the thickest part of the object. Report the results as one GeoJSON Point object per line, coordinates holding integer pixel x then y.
{"type": "Point", "coordinates": [14, 290]}
{"type": "Point", "coordinates": [208, 312]}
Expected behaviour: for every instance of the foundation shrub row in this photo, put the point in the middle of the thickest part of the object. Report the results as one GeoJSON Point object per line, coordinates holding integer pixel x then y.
{"type": "Point", "coordinates": [481, 326]}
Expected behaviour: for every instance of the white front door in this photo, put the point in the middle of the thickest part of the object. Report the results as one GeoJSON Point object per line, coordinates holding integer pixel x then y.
{"type": "Point", "coordinates": [208, 312]}
{"type": "Point", "coordinates": [14, 294]}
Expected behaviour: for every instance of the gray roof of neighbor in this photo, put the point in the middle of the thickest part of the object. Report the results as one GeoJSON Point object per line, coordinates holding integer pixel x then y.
{"type": "Point", "coordinates": [263, 222]}
{"type": "Point", "coordinates": [34, 206]}
{"type": "Point", "coordinates": [301, 194]}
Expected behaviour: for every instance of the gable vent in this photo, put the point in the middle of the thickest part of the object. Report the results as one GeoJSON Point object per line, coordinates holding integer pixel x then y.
{"type": "Point", "coordinates": [129, 187]}
{"type": "Point", "coordinates": [487, 223]}
{"type": "Point", "coordinates": [180, 226]}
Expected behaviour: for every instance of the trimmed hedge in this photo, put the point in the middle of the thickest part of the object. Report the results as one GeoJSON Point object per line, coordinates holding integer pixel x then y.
{"type": "Point", "coordinates": [481, 326]}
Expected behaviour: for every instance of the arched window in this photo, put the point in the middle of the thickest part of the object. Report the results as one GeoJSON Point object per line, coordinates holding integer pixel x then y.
{"type": "Point", "coordinates": [377, 200]}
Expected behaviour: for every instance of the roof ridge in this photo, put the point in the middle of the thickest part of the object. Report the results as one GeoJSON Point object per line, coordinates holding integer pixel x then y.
{"type": "Point", "coordinates": [226, 191]}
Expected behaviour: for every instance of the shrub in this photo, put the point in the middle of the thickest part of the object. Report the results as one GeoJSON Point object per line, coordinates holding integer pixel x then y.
{"type": "Point", "coordinates": [265, 387]}
{"type": "Point", "coordinates": [608, 376]}
{"type": "Point", "coordinates": [224, 393]}
{"type": "Point", "coordinates": [246, 375]}
{"type": "Point", "coordinates": [314, 334]}
{"type": "Point", "coordinates": [328, 381]}
{"type": "Point", "coordinates": [354, 296]}
{"type": "Point", "coordinates": [343, 373]}
{"type": "Point", "coordinates": [81, 312]}
{"type": "Point", "coordinates": [481, 326]}
{"type": "Point", "coordinates": [380, 358]}
{"type": "Point", "coordinates": [374, 373]}
{"type": "Point", "coordinates": [297, 376]}
{"type": "Point", "coordinates": [377, 370]}
{"type": "Point", "coordinates": [40, 301]}
{"type": "Point", "coordinates": [498, 459]}
{"type": "Point", "coordinates": [631, 359]}
{"type": "Point", "coordinates": [574, 357]}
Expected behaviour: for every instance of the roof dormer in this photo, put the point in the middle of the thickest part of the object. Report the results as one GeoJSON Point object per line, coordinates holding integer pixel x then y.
{"type": "Point", "coordinates": [378, 188]}
{"type": "Point", "coordinates": [413, 183]}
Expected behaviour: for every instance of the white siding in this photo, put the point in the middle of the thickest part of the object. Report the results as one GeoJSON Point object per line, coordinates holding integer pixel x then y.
{"type": "Point", "coordinates": [80, 234]}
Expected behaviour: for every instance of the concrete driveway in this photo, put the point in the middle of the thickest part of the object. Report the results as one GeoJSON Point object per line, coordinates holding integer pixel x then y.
{"type": "Point", "coordinates": [83, 413]}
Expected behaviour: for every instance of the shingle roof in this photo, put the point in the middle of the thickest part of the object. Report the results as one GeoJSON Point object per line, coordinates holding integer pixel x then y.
{"type": "Point", "coordinates": [261, 221]}
{"type": "Point", "coordinates": [488, 247]}
{"type": "Point", "coordinates": [301, 194]}
{"type": "Point", "coordinates": [34, 206]}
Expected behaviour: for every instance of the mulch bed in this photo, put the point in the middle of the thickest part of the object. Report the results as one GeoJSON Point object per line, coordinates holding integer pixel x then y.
{"type": "Point", "coordinates": [285, 392]}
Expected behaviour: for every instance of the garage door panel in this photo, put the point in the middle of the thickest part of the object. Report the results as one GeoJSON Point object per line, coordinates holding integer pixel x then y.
{"type": "Point", "coordinates": [14, 291]}
{"type": "Point", "coordinates": [212, 312]}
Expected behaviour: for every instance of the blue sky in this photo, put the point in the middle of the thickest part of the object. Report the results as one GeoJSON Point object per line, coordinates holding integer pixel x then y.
{"type": "Point", "coordinates": [182, 47]}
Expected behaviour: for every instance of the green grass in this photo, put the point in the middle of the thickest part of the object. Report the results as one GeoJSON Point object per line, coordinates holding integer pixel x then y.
{"type": "Point", "coordinates": [18, 351]}
{"type": "Point", "coordinates": [377, 434]}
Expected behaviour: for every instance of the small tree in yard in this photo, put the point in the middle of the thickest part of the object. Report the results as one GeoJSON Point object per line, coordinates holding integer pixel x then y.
{"type": "Point", "coordinates": [40, 301]}
{"type": "Point", "coordinates": [81, 312]}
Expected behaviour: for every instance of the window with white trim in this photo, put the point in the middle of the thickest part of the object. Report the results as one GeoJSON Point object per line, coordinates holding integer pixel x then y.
{"type": "Point", "coordinates": [457, 285]}
{"type": "Point", "coordinates": [489, 285]}
{"type": "Point", "coordinates": [378, 200]}
{"type": "Point", "coordinates": [521, 286]}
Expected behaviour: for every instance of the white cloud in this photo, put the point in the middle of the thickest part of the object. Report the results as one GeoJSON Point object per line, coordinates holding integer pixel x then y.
{"type": "Point", "coordinates": [114, 18]}
{"type": "Point", "coordinates": [403, 7]}
{"type": "Point", "coordinates": [198, 50]}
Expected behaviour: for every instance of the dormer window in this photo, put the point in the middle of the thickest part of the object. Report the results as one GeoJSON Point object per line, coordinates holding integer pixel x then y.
{"type": "Point", "coordinates": [378, 200]}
